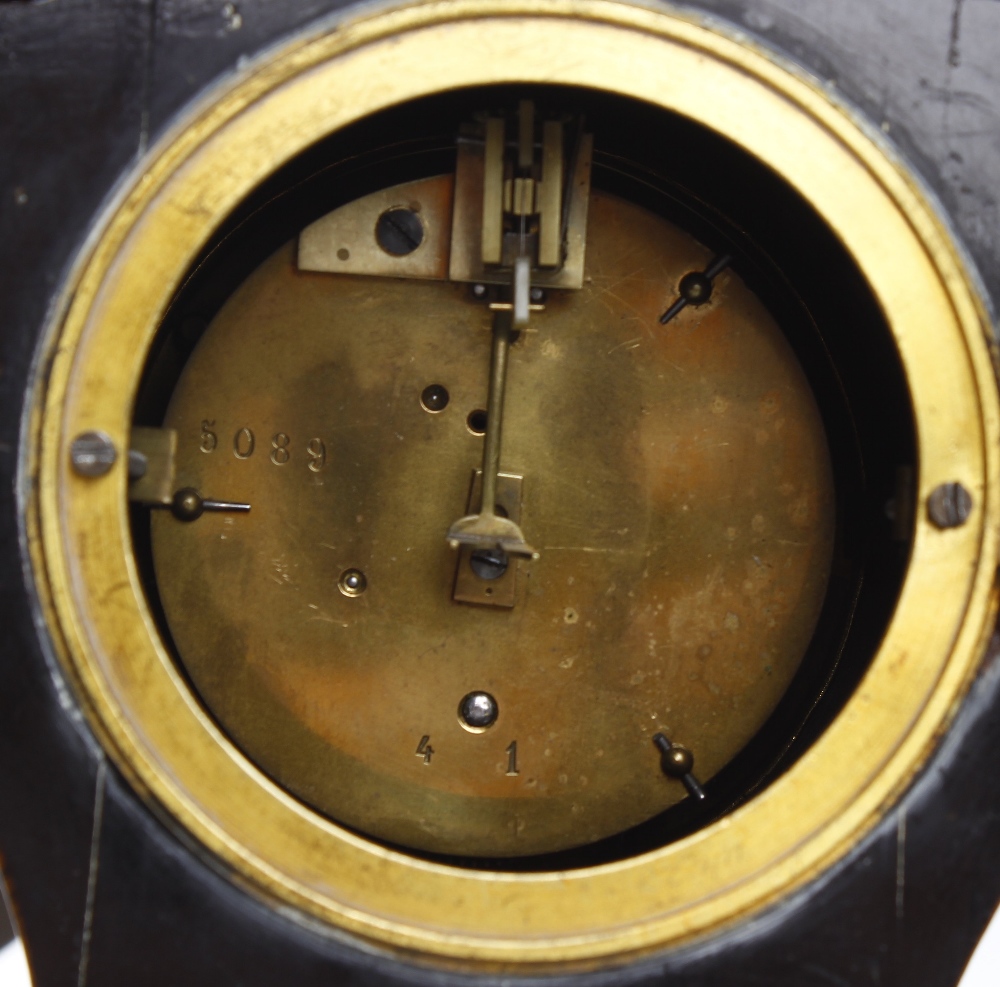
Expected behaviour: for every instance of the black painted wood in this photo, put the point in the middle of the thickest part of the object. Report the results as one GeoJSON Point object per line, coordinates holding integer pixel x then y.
{"type": "Point", "coordinates": [197, 41]}
{"type": "Point", "coordinates": [924, 71]}
{"type": "Point", "coordinates": [905, 909]}
{"type": "Point", "coordinates": [86, 85]}
{"type": "Point", "coordinates": [71, 84]}
{"type": "Point", "coordinates": [7, 932]}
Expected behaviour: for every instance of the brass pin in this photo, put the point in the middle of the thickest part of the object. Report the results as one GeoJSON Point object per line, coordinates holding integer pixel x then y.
{"type": "Point", "coordinates": [189, 505]}
{"type": "Point", "coordinates": [696, 288]}
{"type": "Point", "coordinates": [487, 529]}
{"type": "Point", "coordinates": [678, 762]}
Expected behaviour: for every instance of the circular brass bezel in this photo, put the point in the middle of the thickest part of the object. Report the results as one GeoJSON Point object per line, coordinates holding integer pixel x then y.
{"type": "Point", "coordinates": [174, 753]}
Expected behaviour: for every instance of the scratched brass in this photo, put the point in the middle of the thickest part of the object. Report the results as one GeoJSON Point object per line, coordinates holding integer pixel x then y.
{"type": "Point", "coordinates": [676, 483]}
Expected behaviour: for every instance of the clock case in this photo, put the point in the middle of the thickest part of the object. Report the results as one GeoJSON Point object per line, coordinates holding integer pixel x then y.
{"type": "Point", "coordinates": [103, 891]}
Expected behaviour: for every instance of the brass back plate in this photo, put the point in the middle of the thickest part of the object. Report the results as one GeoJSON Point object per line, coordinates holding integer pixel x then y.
{"type": "Point", "coordinates": [676, 483]}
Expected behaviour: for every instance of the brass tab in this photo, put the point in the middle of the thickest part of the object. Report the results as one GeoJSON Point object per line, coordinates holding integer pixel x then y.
{"type": "Point", "coordinates": [549, 196]}
{"type": "Point", "coordinates": [525, 134]}
{"type": "Point", "coordinates": [151, 465]}
{"type": "Point", "coordinates": [344, 241]}
{"type": "Point", "coordinates": [492, 183]}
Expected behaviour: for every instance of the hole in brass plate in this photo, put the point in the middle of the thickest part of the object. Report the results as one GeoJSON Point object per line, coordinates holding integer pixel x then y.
{"type": "Point", "coordinates": [477, 422]}
{"type": "Point", "coordinates": [352, 582]}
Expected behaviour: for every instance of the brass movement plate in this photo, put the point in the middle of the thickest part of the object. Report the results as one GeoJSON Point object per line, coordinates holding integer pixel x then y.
{"type": "Point", "coordinates": [676, 483]}
{"type": "Point", "coordinates": [344, 242]}
{"type": "Point", "coordinates": [141, 708]}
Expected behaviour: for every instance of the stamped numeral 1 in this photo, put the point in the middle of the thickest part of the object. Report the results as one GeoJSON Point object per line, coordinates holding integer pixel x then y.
{"type": "Point", "coordinates": [512, 758]}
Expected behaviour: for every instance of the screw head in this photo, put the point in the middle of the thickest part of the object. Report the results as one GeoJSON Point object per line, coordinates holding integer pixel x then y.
{"type": "Point", "coordinates": [138, 464]}
{"type": "Point", "coordinates": [399, 231]}
{"type": "Point", "coordinates": [949, 505]}
{"type": "Point", "coordinates": [489, 563]}
{"type": "Point", "coordinates": [477, 711]}
{"type": "Point", "coordinates": [352, 582]}
{"type": "Point", "coordinates": [479, 291]}
{"type": "Point", "coordinates": [92, 454]}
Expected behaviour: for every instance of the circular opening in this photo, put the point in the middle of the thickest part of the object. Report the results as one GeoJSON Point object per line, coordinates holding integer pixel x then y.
{"type": "Point", "coordinates": [831, 335]}
{"type": "Point", "coordinates": [830, 329]}
{"type": "Point", "coordinates": [476, 422]}
{"type": "Point", "coordinates": [352, 582]}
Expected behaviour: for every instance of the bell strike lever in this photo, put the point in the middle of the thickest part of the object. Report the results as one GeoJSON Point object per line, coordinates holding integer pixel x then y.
{"type": "Point", "coordinates": [487, 529]}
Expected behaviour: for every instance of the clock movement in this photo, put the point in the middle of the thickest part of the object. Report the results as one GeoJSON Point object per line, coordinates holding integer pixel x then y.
{"type": "Point", "coordinates": [510, 489]}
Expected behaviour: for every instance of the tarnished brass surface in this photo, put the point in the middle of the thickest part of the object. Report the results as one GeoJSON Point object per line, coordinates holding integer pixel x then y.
{"type": "Point", "coordinates": [103, 324]}
{"type": "Point", "coordinates": [343, 241]}
{"type": "Point", "coordinates": [676, 483]}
